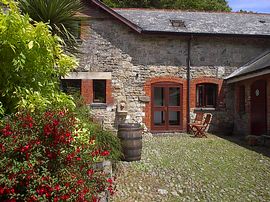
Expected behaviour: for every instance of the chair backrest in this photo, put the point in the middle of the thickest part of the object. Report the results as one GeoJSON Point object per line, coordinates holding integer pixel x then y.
{"type": "Point", "coordinates": [198, 118]}
{"type": "Point", "coordinates": [207, 119]}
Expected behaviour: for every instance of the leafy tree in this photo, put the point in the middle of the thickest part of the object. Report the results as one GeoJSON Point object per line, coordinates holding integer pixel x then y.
{"type": "Point", "coordinates": [202, 5]}
{"type": "Point", "coordinates": [59, 14]}
{"type": "Point", "coordinates": [31, 60]}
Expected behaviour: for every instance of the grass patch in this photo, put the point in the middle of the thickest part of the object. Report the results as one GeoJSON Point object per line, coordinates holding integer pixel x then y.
{"type": "Point", "coordinates": [195, 169]}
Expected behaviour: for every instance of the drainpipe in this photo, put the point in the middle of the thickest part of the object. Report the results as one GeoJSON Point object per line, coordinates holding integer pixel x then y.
{"type": "Point", "coordinates": [188, 81]}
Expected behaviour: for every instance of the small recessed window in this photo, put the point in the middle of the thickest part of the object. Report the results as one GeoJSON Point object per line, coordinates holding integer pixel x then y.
{"type": "Point", "coordinates": [241, 99]}
{"type": "Point", "coordinates": [71, 86]}
{"type": "Point", "coordinates": [99, 91]}
{"type": "Point", "coordinates": [206, 95]}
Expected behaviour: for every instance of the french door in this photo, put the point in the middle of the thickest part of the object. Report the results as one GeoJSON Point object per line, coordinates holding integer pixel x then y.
{"type": "Point", "coordinates": [166, 107]}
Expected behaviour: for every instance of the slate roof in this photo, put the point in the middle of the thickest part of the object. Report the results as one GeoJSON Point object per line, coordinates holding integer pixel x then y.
{"type": "Point", "coordinates": [258, 64]}
{"type": "Point", "coordinates": [198, 22]}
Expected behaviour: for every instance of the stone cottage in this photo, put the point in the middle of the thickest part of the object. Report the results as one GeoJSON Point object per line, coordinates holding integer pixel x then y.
{"type": "Point", "coordinates": [159, 67]}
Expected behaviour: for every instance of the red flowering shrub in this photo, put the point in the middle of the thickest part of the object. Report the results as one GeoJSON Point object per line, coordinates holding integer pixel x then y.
{"type": "Point", "coordinates": [43, 159]}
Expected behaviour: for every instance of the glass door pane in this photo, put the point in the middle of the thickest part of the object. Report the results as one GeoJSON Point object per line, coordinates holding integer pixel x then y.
{"type": "Point", "coordinates": [174, 96]}
{"type": "Point", "coordinates": [159, 96]}
{"type": "Point", "coordinates": [159, 118]}
{"type": "Point", "coordinates": [174, 118]}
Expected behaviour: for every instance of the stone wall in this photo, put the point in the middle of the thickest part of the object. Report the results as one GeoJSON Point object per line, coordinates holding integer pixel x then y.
{"type": "Point", "coordinates": [134, 59]}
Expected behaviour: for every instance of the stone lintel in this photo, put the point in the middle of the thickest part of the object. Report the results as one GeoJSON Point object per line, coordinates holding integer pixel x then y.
{"type": "Point", "coordinates": [89, 75]}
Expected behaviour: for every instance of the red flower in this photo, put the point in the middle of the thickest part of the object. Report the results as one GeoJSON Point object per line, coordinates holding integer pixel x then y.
{"type": "Point", "coordinates": [40, 191]}
{"type": "Point", "coordinates": [56, 199]}
{"type": "Point", "coordinates": [105, 153]}
{"type": "Point", "coordinates": [110, 180]}
{"type": "Point", "coordinates": [80, 182]}
{"type": "Point", "coordinates": [95, 153]}
{"type": "Point", "coordinates": [47, 129]}
{"type": "Point", "coordinates": [2, 147]}
{"type": "Point", "coordinates": [90, 172]}
{"type": "Point", "coordinates": [65, 197]}
{"type": "Point", "coordinates": [25, 148]}
{"type": "Point", "coordinates": [2, 190]}
{"type": "Point", "coordinates": [7, 130]}
{"type": "Point", "coordinates": [57, 187]}
{"type": "Point", "coordinates": [55, 122]}
{"type": "Point", "coordinates": [30, 125]}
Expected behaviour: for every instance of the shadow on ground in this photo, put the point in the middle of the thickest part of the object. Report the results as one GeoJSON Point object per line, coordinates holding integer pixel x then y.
{"type": "Point", "coordinates": [241, 141]}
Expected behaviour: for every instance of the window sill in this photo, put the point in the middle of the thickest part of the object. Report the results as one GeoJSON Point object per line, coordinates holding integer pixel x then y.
{"type": "Point", "coordinates": [98, 106]}
{"type": "Point", "coordinates": [205, 109]}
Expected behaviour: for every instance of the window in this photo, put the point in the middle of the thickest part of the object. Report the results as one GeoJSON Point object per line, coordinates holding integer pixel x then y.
{"type": "Point", "coordinates": [206, 95]}
{"type": "Point", "coordinates": [71, 86]}
{"type": "Point", "coordinates": [241, 99]}
{"type": "Point", "coordinates": [99, 91]}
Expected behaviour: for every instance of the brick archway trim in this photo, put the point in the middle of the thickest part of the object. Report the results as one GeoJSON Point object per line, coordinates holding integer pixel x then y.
{"type": "Point", "coordinates": [148, 92]}
{"type": "Point", "coordinates": [201, 80]}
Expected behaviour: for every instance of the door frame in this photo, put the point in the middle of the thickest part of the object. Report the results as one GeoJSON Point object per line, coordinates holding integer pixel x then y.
{"type": "Point", "coordinates": [166, 85]}
{"type": "Point", "coordinates": [252, 105]}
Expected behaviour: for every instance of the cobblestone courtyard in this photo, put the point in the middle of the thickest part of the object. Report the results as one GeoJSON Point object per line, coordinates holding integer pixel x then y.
{"type": "Point", "coordinates": [190, 169]}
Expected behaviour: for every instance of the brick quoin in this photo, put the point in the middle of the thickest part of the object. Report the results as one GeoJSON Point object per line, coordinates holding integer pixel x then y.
{"type": "Point", "coordinates": [109, 98]}
{"type": "Point", "coordinates": [87, 91]}
{"type": "Point", "coordinates": [148, 92]}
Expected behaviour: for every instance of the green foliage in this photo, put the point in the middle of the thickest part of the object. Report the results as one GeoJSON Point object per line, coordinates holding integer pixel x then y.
{"type": "Point", "coordinates": [2, 110]}
{"type": "Point", "coordinates": [31, 59]}
{"type": "Point", "coordinates": [35, 101]}
{"type": "Point", "coordinates": [59, 14]}
{"type": "Point", "coordinates": [102, 138]}
{"type": "Point", "coordinates": [202, 5]}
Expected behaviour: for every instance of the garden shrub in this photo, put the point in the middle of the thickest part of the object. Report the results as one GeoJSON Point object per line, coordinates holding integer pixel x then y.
{"type": "Point", "coordinates": [31, 59]}
{"type": "Point", "coordinates": [48, 157]}
{"type": "Point", "coordinates": [2, 110]}
{"type": "Point", "coordinates": [102, 138]}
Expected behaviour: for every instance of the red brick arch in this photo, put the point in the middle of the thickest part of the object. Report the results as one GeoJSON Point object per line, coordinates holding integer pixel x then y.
{"type": "Point", "coordinates": [147, 89]}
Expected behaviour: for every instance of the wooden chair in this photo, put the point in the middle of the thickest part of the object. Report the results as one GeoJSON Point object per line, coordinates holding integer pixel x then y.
{"type": "Point", "coordinates": [199, 130]}
{"type": "Point", "coordinates": [198, 120]}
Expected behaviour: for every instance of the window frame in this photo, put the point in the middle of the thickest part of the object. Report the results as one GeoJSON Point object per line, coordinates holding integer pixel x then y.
{"type": "Point", "coordinates": [202, 102]}
{"type": "Point", "coordinates": [104, 91]}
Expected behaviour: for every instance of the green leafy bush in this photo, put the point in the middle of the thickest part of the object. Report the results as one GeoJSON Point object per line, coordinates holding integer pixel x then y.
{"type": "Point", "coordinates": [31, 59]}
{"type": "Point", "coordinates": [43, 158]}
{"type": "Point", "coordinates": [2, 111]}
{"type": "Point", "coordinates": [102, 138]}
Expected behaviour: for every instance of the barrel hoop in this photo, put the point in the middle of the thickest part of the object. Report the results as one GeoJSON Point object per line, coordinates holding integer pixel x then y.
{"type": "Point", "coordinates": [133, 138]}
{"type": "Point", "coordinates": [130, 129]}
{"type": "Point", "coordinates": [132, 148]}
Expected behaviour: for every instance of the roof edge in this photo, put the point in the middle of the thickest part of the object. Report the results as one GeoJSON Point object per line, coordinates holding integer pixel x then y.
{"type": "Point", "coordinates": [204, 34]}
{"type": "Point", "coordinates": [117, 16]}
{"type": "Point", "coordinates": [249, 75]}
{"type": "Point", "coordinates": [234, 74]}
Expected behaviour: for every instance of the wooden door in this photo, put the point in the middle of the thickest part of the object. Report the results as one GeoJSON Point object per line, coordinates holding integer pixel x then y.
{"type": "Point", "coordinates": [166, 107]}
{"type": "Point", "coordinates": [258, 108]}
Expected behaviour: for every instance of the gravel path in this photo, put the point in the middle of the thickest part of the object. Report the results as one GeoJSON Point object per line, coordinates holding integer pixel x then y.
{"type": "Point", "coordinates": [190, 169]}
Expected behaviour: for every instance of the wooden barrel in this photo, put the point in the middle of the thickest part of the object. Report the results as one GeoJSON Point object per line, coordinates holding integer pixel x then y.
{"type": "Point", "coordinates": [131, 141]}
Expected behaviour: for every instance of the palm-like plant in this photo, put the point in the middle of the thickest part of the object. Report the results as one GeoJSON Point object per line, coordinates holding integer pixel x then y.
{"type": "Point", "coordinates": [59, 14]}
